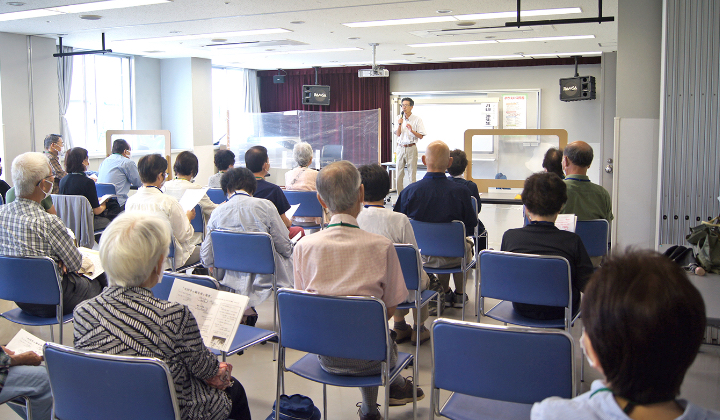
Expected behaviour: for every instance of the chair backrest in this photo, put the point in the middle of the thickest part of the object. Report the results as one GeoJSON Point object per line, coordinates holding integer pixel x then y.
{"type": "Point", "coordinates": [216, 195]}
{"type": "Point", "coordinates": [330, 153]}
{"type": "Point", "coordinates": [103, 188]}
{"type": "Point", "coordinates": [594, 235]}
{"type": "Point", "coordinates": [88, 386]}
{"type": "Point", "coordinates": [522, 365]}
{"type": "Point", "coordinates": [440, 239]}
{"type": "Point", "coordinates": [76, 213]}
{"type": "Point", "coordinates": [247, 252]}
{"type": "Point", "coordinates": [353, 327]}
{"type": "Point", "coordinates": [198, 223]}
{"type": "Point", "coordinates": [525, 278]}
{"type": "Point", "coordinates": [163, 288]}
{"type": "Point", "coordinates": [309, 204]}
{"type": "Point", "coordinates": [30, 280]}
{"type": "Point", "coordinates": [411, 265]}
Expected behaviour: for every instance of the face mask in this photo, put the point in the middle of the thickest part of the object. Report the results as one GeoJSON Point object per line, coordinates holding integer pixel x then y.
{"type": "Point", "coordinates": [47, 193]}
{"type": "Point", "coordinates": [591, 362]}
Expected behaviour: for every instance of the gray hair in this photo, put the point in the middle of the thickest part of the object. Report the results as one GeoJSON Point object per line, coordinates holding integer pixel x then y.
{"type": "Point", "coordinates": [302, 153]}
{"type": "Point", "coordinates": [338, 185]}
{"type": "Point", "coordinates": [131, 247]}
{"type": "Point", "coordinates": [28, 169]}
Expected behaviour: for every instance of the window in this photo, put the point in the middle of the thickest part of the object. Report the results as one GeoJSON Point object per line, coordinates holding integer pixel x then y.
{"type": "Point", "coordinates": [232, 97]}
{"type": "Point", "coordinates": [100, 100]}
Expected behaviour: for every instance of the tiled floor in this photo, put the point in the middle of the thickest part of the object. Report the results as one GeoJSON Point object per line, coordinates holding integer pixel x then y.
{"type": "Point", "coordinates": [257, 371]}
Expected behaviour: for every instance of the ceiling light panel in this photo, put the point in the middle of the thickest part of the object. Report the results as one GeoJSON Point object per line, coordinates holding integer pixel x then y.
{"type": "Point", "coordinates": [486, 57]}
{"type": "Point", "coordinates": [393, 22]}
{"type": "Point", "coordinates": [523, 13]}
{"type": "Point", "coordinates": [563, 54]}
{"type": "Point", "coordinates": [226, 35]}
{"type": "Point", "coordinates": [453, 44]}
{"type": "Point", "coordinates": [104, 5]}
{"type": "Point", "coordinates": [548, 38]}
{"type": "Point", "coordinates": [27, 14]}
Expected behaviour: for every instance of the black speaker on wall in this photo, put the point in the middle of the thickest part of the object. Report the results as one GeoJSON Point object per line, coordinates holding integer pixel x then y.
{"type": "Point", "coordinates": [280, 78]}
{"type": "Point", "coordinates": [577, 88]}
{"type": "Point", "coordinates": [316, 95]}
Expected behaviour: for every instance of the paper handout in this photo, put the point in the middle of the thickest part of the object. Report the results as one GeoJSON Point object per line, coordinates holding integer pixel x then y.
{"type": "Point", "coordinates": [566, 222]}
{"type": "Point", "coordinates": [24, 341]}
{"type": "Point", "coordinates": [217, 313]}
{"type": "Point", "coordinates": [191, 198]}
{"type": "Point", "coordinates": [91, 265]}
{"type": "Point", "coordinates": [293, 208]}
{"type": "Point", "coordinates": [105, 197]}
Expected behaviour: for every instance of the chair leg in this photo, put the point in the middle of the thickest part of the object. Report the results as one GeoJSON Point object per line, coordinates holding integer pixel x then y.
{"type": "Point", "coordinates": [275, 327]}
{"type": "Point", "coordinates": [416, 375]}
{"type": "Point", "coordinates": [52, 333]}
{"type": "Point", "coordinates": [280, 383]}
{"type": "Point", "coordinates": [387, 395]}
{"type": "Point", "coordinates": [324, 401]}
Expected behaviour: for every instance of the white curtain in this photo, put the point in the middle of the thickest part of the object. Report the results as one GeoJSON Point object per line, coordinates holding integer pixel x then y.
{"type": "Point", "coordinates": [65, 70]}
{"type": "Point", "coordinates": [252, 92]}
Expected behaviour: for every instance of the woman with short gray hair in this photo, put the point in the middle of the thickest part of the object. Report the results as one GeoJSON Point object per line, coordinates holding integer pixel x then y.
{"type": "Point", "coordinates": [302, 178]}
{"type": "Point", "coordinates": [127, 319]}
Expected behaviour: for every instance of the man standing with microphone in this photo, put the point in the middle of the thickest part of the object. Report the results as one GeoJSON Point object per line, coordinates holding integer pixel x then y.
{"type": "Point", "coordinates": [410, 130]}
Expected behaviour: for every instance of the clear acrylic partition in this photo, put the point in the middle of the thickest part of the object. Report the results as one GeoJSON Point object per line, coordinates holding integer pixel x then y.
{"type": "Point", "coordinates": [352, 136]}
{"type": "Point", "coordinates": [142, 142]}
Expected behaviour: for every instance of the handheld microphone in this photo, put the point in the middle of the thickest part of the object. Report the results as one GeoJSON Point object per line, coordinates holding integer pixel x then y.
{"type": "Point", "coordinates": [402, 114]}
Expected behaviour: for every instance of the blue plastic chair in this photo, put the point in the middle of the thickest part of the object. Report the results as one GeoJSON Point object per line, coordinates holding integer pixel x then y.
{"type": "Point", "coordinates": [497, 372]}
{"type": "Point", "coordinates": [103, 188]}
{"type": "Point", "coordinates": [32, 280]}
{"type": "Point", "coordinates": [245, 336]}
{"type": "Point", "coordinates": [23, 402]}
{"type": "Point", "coordinates": [443, 240]}
{"type": "Point", "coordinates": [594, 235]}
{"type": "Point", "coordinates": [171, 256]}
{"type": "Point", "coordinates": [246, 252]}
{"type": "Point", "coordinates": [411, 265]}
{"type": "Point", "coordinates": [309, 205]}
{"type": "Point", "coordinates": [198, 223]}
{"type": "Point", "coordinates": [353, 327]}
{"type": "Point", "coordinates": [90, 386]}
{"type": "Point", "coordinates": [216, 195]}
{"type": "Point", "coordinates": [525, 278]}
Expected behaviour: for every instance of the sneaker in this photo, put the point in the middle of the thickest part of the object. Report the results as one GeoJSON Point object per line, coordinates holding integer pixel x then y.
{"type": "Point", "coordinates": [401, 395]}
{"type": "Point", "coordinates": [369, 416]}
{"type": "Point", "coordinates": [424, 335]}
{"type": "Point", "coordinates": [450, 299]}
{"type": "Point", "coordinates": [402, 333]}
{"type": "Point", "coordinates": [458, 297]}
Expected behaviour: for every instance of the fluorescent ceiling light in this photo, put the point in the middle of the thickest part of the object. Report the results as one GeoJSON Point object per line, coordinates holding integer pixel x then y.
{"type": "Point", "coordinates": [213, 35]}
{"type": "Point", "coordinates": [486, 57]}
{"type": "Point", "coordinates": [313, 51]}
{"type": "Point", "coordinates": [476, 16]}
{"type": "Point", "coordinates": [452, 44]}
{"type": "Point", "coordinates": [563, 54]}
{"type": "Point", "coordinates": [104, 5]}
{"type": "Point", "coordinates": [368, 63]}
{"type": "Point", "coordinates": [548, 38]}
{"type": "Point", "coordinates": [523, 13]}
{"type": "Point", "coordinates": [394, 22]}
{"type": "Point", "coordinates": [26, 14]}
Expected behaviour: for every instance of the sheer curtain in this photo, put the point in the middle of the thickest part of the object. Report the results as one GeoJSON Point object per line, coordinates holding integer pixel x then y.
{"type": "Point", "coordinates": [252, 92]}
{"type": "Point", "coordinates": [65, 71]}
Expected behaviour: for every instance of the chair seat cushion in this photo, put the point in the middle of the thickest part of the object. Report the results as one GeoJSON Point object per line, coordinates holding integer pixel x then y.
{"type": "Point", "coordinates": [465, 407]}
{"type": "Point", "coordinates": [504, 312]}
{"type": "Point", "coordinates": [309, 368]}
{"type": "Point", "coordinates": [448, 270]}
{"type": "Point", "coordinates": [246, 336]}
{"type": "Point", "coordinates": [425, 296]}
{"type": "Point", "coordinates": [18, 316]}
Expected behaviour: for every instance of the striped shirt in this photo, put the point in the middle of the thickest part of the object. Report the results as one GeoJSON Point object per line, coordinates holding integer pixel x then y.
{"type": "Point", "coordinates": [131, 321]}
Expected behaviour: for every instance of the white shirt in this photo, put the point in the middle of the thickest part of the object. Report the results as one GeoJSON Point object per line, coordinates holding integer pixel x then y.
{"type": "Point", "coordinates": [406, 136]}
{"type": "Point", "coordinates": [176, 188]}
{"type": "Point", "coordinates": [152, 200]}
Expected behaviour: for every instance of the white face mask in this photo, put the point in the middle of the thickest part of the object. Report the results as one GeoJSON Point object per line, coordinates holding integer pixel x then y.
{"type": "Point", "coordinates": [47, 193]}
{"type": "Point", "coordinates": [591, 362]}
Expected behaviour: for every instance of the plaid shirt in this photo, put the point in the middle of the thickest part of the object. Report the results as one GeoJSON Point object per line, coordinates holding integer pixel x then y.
{"type": "Point", "coordinates": [4, 367]}
{"type": "Point", "coordinates": [26, 230]}
{"type": "Point", "coordinates": [57, 170]}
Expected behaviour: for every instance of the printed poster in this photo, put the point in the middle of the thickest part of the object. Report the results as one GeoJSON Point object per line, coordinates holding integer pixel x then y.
{"type": "Point", "coordinates": [514, 111]}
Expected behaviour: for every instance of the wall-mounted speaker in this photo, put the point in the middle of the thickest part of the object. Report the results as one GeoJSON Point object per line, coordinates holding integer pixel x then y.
{"type": "Point", "coordinates": [280, 78]}
{"type": "Point", "coordinates": [315, 95]}
{"type": "Point", "coordinates": [577, 88]}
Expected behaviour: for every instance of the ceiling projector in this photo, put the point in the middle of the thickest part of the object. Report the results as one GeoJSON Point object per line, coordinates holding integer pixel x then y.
{"type": "Point", "coordinates": [374, 72]}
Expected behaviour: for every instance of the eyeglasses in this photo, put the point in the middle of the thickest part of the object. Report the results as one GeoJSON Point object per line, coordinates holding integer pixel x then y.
{"type": "Point", "coordinates": [406, 106]}
{"type": "Point", "coordinates": [48, 178]}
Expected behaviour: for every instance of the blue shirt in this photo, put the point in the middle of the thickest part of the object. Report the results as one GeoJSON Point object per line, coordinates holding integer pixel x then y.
{"type": "Point", "coordinates": [437, 199]}
{"type": "Point", "coordinates": [121, 172]}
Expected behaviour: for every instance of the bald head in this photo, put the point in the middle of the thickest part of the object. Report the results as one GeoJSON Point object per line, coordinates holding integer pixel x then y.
{"type": "Point", "coordinates": [577, 158]}
{"type": "Point", "coordinates": [437, 156]}
{"type": "Point", "coordinates": [339, 187]}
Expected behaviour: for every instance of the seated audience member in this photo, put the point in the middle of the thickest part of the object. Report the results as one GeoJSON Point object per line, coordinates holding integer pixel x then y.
{"type": "Point", "coordinates": [126, 319]}
{"type": "Point", "coordinates": [46, 203]}
{"type": "Point", "coordinates": [22, 376]}
{"type": "Point", "coordinates": [258, 162]}
{"type": "Point", "coordinates": [186, 169]}
{"type": "Point", "coordinates": [346, 260]}
{"type": "Point", "coordinates": [53, 147]}
{"type": "Point", "coordinates": [457, 171]}
{"type": "Point", "coordinates": [437, 199]}
{"type": "Point", "coordinates": [643, 325]}
{"type": "Point", "coordinates": [151, 199]}
{"type": "Point", "coordinates": [27, 230]}
{"type": "Point", "coordinates": [586, 200]}
{"type": "Point", "coordinates": [244, 213]}
{"type": "Point", "coordinates": [224, 160]}
{"type": "Point", "coordinates": [552, 162]}
{"type": "Point", "coordinates": [302, 178]}
{"type": "Point", "coordinates": [543, 196]}
{"type": "Point", "coordinates": [118, 169]}
{"type": "Point", "coordinates": [77, 183]}
{"type": "Point", "coordinates": [375, 218]}
{"type": "Point", "coordinates": [4, 187]}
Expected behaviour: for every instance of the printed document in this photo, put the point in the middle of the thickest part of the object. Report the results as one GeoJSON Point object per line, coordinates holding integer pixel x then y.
{"type": "Point", "coordinates": [191, 198]}
{"type": "Point", "coordinates": [566, 222]}
{"type": "Point", "coordinates": [24, 341]}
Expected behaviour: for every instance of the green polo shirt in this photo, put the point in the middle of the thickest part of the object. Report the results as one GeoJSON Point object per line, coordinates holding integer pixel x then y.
{"type": "Point", "coordinates": [10, 196]}
{"type": "Point", "coordinates": [587, 200]}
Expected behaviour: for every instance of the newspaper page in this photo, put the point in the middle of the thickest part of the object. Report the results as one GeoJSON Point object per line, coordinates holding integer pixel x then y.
{"type": "Point", "coordinates": [24, 341]}
{"type": "Point", "coordinates": [218, 313]}
{"type": "Point", "coordinates": [566, 222]}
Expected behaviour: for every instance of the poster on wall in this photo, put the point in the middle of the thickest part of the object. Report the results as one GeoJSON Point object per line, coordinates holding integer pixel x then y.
{"type": "Point", "coordinates": [489, 115]}
{"type": "Point", "coordinates": [514, 111]}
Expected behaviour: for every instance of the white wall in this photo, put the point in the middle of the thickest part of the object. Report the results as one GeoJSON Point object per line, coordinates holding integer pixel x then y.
{"type": "Point", "coordinates": [148, 107]}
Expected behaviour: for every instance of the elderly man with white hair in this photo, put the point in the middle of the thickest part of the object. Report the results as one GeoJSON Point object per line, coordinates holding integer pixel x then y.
{"type": "Point", "coordinates": [302, 178]}
{"type": "Point", "coordinates": [27, 230]}
{"type": "Point", "coordinates": [127, 319]}
{"type": "Point", "coordinates": [345, 260]}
